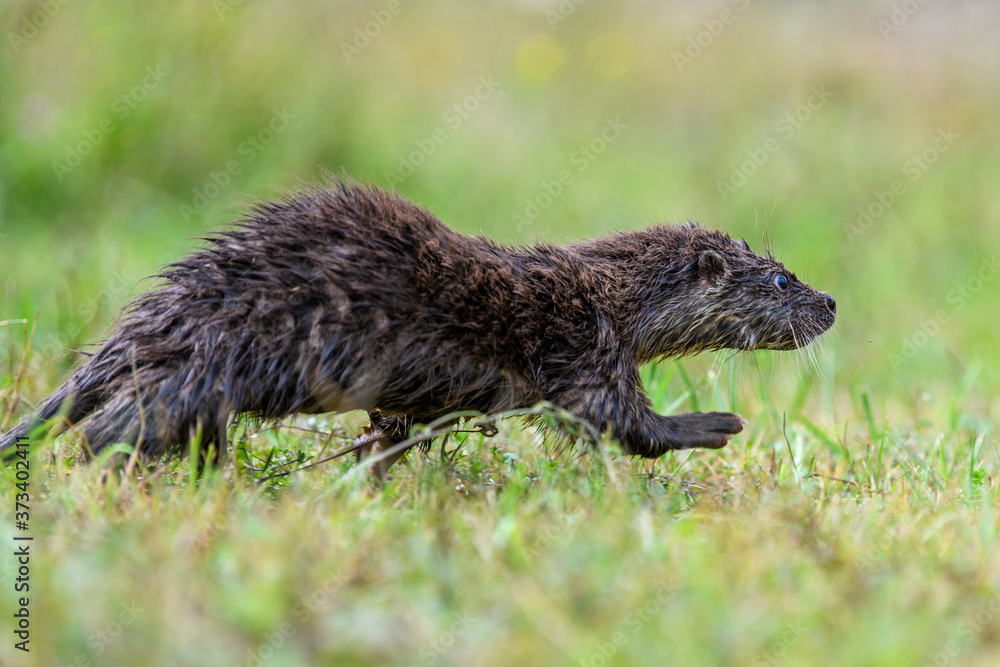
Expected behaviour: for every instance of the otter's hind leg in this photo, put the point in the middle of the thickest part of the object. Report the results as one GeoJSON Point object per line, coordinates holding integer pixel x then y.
{"type": "Point", "coordinates": [382, 436]}
{"type": "Point", "coordinates": [213, 442]}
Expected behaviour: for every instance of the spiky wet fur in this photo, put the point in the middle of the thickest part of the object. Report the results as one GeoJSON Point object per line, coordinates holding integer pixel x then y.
{"type": "Point", "coordinates": [350, 297]}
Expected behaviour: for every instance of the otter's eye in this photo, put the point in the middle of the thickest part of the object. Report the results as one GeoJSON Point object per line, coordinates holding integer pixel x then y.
{"type": "Point", "coordinates": [781, 282]}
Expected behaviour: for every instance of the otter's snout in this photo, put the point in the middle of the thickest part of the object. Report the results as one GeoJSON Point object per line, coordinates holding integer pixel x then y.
{"type": "Point", "coordinates": [831, 304]}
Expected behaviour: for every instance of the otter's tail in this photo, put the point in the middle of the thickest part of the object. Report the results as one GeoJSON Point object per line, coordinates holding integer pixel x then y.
{"type": "Point", "coordinates": [67, 401]}
{"type": "Point", "coordinates": [169, 412]}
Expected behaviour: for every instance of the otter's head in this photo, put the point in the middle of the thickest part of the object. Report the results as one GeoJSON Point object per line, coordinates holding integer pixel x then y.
{"type": "Point", "coordinates": [716, 293]}
{"type": "Point", "coordinates": [759, 304]}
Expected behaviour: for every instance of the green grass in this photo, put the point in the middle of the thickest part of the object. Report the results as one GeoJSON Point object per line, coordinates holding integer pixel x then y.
{"type": "Point", "coordinates": [853, 522]}
{"type": "Point", "coordinates": [825, 552]}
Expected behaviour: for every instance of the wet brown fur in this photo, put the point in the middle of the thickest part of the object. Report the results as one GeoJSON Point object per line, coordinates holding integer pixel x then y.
{"type": "Point", "coordinates": [351, 297]}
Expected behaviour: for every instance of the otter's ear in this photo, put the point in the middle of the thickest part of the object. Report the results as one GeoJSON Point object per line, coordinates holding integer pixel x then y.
{"type": "Point", "coordinates": [711, 266]}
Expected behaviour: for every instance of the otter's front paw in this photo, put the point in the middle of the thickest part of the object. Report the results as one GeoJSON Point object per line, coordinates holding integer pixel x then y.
{"type": "Point", "coordinates": [711, 430]}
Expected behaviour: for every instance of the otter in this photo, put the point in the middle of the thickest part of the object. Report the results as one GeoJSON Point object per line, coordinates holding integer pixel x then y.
{"type": "Point", "coordinates": [346, 296]}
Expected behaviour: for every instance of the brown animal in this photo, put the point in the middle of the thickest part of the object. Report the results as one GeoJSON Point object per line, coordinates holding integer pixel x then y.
{"type": "Point", "coordinates": [352, 298]}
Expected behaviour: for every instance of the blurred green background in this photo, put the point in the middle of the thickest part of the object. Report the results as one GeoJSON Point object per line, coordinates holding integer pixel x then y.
{"type": "Point", "coordinates": [858, 140]}
{"type": "Point", "coordinates": [118, 123]}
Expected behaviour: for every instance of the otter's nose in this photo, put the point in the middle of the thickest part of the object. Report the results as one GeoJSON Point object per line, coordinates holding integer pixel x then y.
{"type": "Point", "coordinates": [831, 304]}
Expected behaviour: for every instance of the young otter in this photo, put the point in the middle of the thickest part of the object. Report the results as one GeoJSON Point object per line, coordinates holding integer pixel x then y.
{"type": "Point", "coordinates": [353, 298]}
